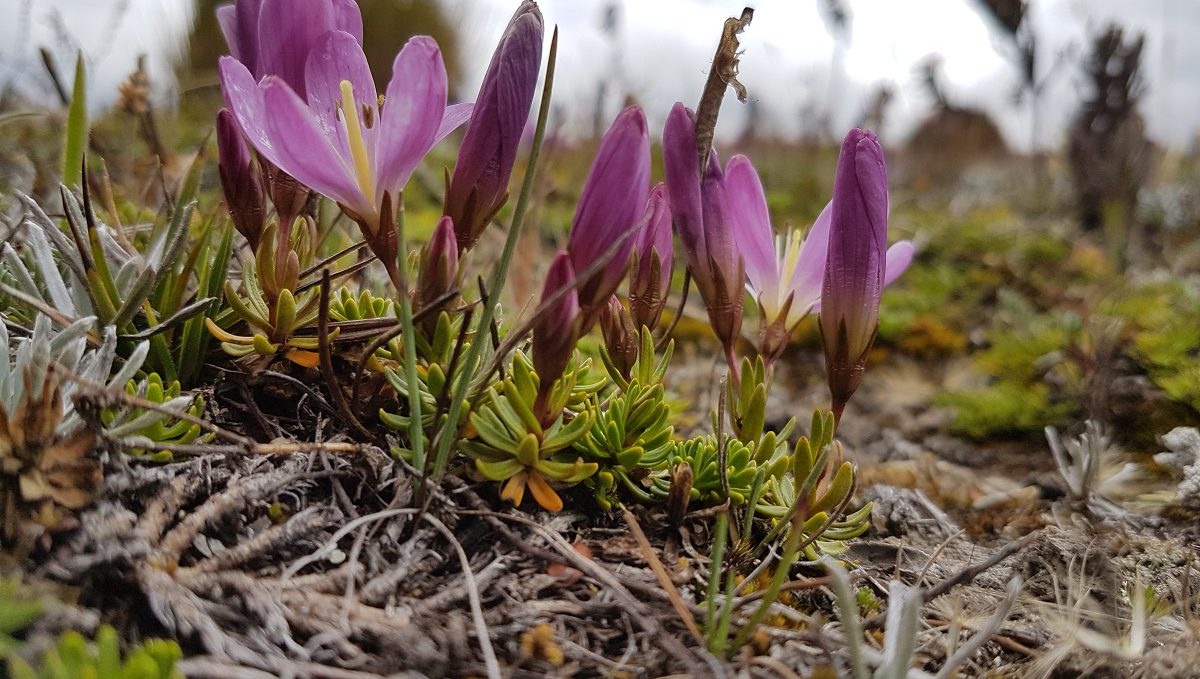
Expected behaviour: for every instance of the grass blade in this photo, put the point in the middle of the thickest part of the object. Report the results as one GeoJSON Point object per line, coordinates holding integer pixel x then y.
{"type": "Point", "coordinates": [77, 128]}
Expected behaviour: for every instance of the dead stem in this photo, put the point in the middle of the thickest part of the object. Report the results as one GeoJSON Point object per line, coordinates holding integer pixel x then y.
{"type": "Point", "coordinates": [664, 578]}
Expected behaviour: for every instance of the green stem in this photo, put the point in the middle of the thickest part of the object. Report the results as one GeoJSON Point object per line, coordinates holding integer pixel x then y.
{"type": "Point", "coordinates": [462, 378]}
{"type": "Point", "coordinates": [791, 547]}
{"type": "Point", "coordinates": [720, 536]}
{"type": "Point", "coordinates": [416, 436]}
{"type": "Point", "coordinates": [633, 487]}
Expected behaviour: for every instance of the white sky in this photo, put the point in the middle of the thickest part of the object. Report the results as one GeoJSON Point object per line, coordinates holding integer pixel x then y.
{"type": "Point", "coordinates": [664, 47]}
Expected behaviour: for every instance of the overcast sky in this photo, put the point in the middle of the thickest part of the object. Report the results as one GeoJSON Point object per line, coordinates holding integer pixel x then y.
{"type": "Point", "coordinates": [661, 51]}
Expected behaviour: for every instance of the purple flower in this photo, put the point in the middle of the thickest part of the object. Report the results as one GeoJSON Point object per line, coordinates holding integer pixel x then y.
{"type": "Point", "coordinates": [701, 215]}
{"type": "Point", "coordinates": [857, 263]}
{"type": "Point", "coordinates": [274, 37]}
{"type": "Point", "coordinates": [479, 186]}
{"type": "Point", "coordinates": [340, 140]}
{"type": "Point", "coordinates": [653, 259]}
{"type": "Point", "coordinates": [784, 274]}
{"type": "Point", "coordinates": [621, 339]}
{"type": "Point", "coordinates": [555, 331]}
{"type": "Point", "coordinates": [439, 266]}
{"type": "Point", "coordinates": [239, 180]}
{"type": "Point", "coordinates": [609, 210]}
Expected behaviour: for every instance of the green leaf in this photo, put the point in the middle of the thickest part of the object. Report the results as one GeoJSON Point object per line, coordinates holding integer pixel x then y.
{"type": "Point", "coordinates": [77, 128]}
{"type": "Point", "coordinates": [498, 470]}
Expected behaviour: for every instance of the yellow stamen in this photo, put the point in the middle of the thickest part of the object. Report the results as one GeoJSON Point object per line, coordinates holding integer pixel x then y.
{"type": "Point", "coordinates": [358, 145]}
{"type": "Point", "coordinates": [787, 247]}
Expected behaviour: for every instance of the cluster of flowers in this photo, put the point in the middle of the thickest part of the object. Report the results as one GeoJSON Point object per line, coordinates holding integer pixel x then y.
{"type": "Point", "coordinates": [299, 89]}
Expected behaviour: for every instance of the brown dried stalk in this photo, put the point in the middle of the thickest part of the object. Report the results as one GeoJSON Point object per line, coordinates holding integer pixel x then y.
{"type": "Point", "coordinates": [723, 74]}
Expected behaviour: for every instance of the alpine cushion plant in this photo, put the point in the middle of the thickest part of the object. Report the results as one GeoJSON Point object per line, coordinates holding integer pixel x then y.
{"type": "Point", "coordinates": [856, 264]}
{"type": "Point", "coordinates": [698, 205]}
{"type": "Point", "coordinates": [785, 273]}
{"type": "Point", "coordinates": [479, 185]}
{"type": "Point", "coordinates": [336, 137]}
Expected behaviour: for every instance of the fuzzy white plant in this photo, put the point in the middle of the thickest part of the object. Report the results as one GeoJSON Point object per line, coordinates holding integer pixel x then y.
{"type": "Point", "coordinates": [1183, 456]}
{"type": "Point", "coordinates": [1090, 465]}
{"type": "Point", "coordinates": [902, 629]}
{"type": "Point", "coordinates": [47, 466]}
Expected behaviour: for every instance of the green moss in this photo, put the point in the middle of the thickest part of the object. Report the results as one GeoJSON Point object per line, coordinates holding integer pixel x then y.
{"type": "Point", "coordinates": [1166, 336]}
{"type": "Point", "coordinates": [1005, 408]}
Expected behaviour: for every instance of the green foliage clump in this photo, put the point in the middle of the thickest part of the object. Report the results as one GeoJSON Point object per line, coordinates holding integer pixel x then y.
{"type": "Point", "coordinates": [815, 493]}
{"type": "Point", "coordinates": [153, 426]}
{"type": "Point", "coordinates": [631, 431]}
{"type": "Point", "coordinates": [702, 455]}
{"type": "Point", "coordinates": [274, 308]}
{"type": "Point", "coordinates": [1004, 408]}
{"type": "Point", "coordinates": [19, 608]}
{"type": "Point", "coordinates": [158, 284]}
{"type": "Point", "coordinates": [74, 658]}
{"type": "Point", "coordinates": [516, 448]}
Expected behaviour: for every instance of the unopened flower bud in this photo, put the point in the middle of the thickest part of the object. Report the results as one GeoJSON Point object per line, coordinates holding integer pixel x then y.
{"type": "Point", "coordinates": [439, 265]}
{"type": "Point", "coordinates": [479, 186]}
{"type": "Point", "coordinates": [855, 266]}
{"type": "Point", "coordinates": [700, 212]}
{"type": "Point", "coordinates": [240, 183]}
{"type": "Point", "coordinates": [610, 207]}
{"type": "Point", "coordinates": [653, 259]}
{"type": "Point", "coordinates": [621, 338]}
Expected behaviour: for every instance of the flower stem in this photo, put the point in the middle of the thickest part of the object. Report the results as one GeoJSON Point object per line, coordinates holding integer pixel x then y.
{"type": "Point", "coordinates": [416, 436]}
{"type": "Point", "coordinates": [448, 434]}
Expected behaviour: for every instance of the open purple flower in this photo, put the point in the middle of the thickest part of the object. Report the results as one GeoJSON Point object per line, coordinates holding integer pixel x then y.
{"type": "Point", "coordinates": [274, 37]}
{"type": "Point", "coordinates": [701, 215]}
{"type": "Point", "coordinates": [784, 273]}
{"type": "Point", "coordinates": [653, 259]}
{"type": "Point", "coordinates": [340, 140]}
{"type": "Point", "coordinates": [610, 207]}
{"type": "Point", "coordinates": [857, 263]}
{"type": "Point", "coordinates": [479, 186]}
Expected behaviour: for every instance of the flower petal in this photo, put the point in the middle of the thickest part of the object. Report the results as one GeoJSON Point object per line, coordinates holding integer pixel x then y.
{"type": "Point", "coordinates": [245, 99]}
{"type": "Point", "coordinates": [896, 261]}
{"type": "Point", "coordinates": [412, 113]}
{"type": "Point", "coordinates": [453, 118]}
{"type": "Point", "coordinates": [337, 56]}
{"type": "Point", "coordinates": [682, 173]}
{"type": "Point", "coordinates": [347, 17]}
{"type": "Point", "coordinates": [227, 19]}
{"type": "Point", "coordinates": [288, 30]}
{"type": "Point", "coordinates": [805, 279]}
{"type": "Point", "coordinates": [303, 151]}
{"type": "Point", "coordinates": [751, 225]}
